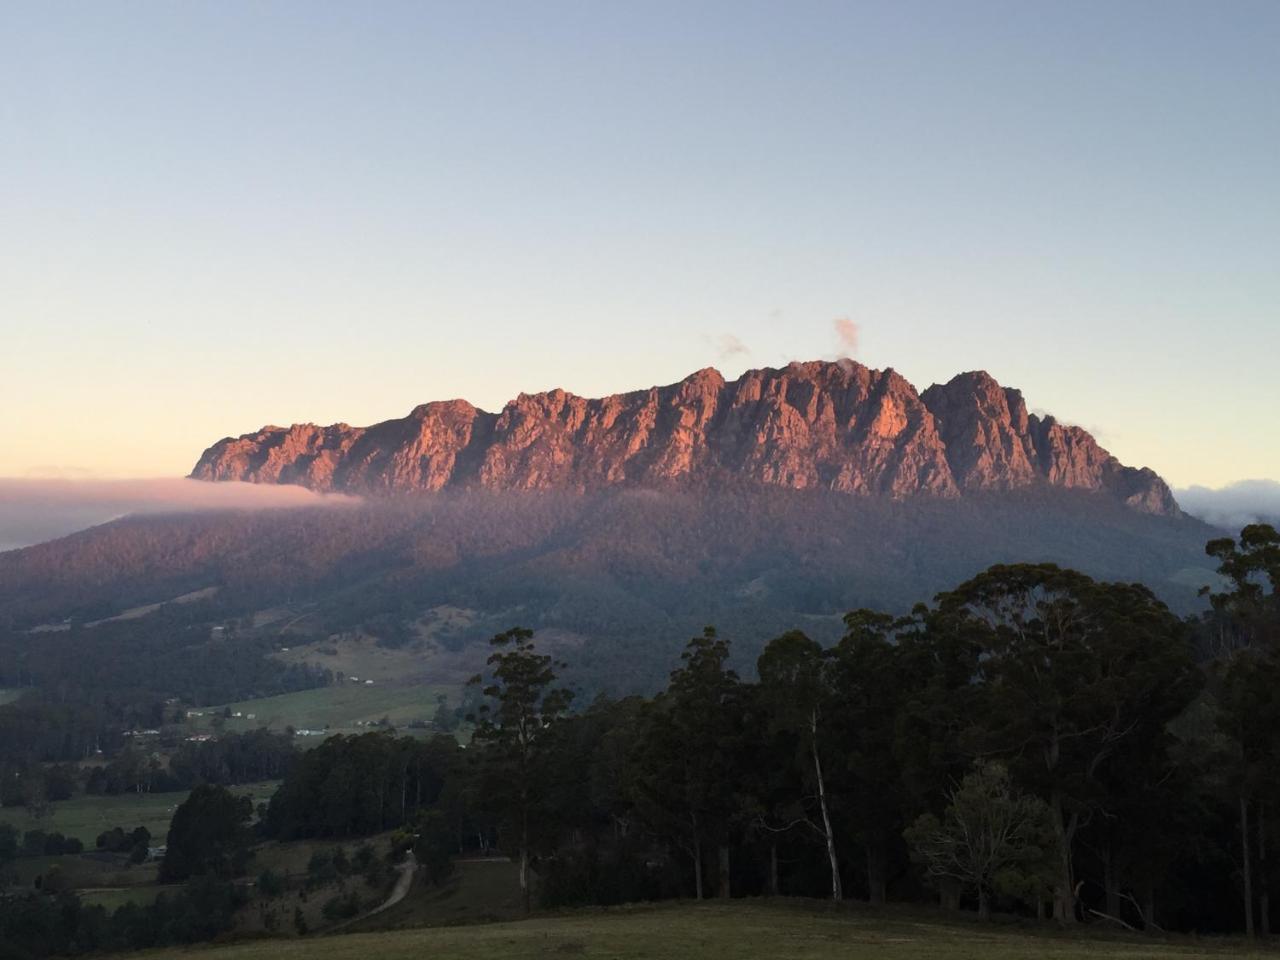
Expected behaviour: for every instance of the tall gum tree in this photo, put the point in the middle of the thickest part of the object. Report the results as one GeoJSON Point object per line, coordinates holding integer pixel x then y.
{"type": "Point", "coordinates": [1247, 617]}
{"type": "Point", "coordinates": [795, 679]}
{"type": "Point", "coordinates": [693, 753]}
{"type": "Point", "coordinates": [870, 691]}
{"type": "Point", "coordinates": [1071, 671]}
{"type": "Point", "coordinates": [514, 728]}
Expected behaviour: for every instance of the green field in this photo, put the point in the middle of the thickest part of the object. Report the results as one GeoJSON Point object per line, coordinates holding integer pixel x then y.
{"type": "Point", "coordinates": [739, 931]}
{"type": "Point", "coordinates": [85, 817]}
{"type": "Point", "coordinates": [112, 898]}
{"type": "Point", "coordinates": [337, 707]}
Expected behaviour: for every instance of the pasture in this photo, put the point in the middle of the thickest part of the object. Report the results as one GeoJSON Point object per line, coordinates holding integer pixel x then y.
{"type": "Point", "coordinates": [85, 816]}
{"type": "Point", "coordinates": [744, 930]}
{"type": "Point", "coordinates": [338, 707]}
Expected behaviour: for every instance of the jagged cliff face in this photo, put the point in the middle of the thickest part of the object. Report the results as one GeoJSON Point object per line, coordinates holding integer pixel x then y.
{"type": "Point", "coordinates": [837, 426]}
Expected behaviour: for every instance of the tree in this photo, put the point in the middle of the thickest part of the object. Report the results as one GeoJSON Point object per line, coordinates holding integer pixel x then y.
{"type": "Point", "coordinates": [1248, 711]}
{"type": "Point", "coordinates": [937, 660]}
{"type": "Point", "coordinates": [433, 846]}
{"type": "Point", "coordinates": [1071, 671]}
{"type": "Point", "coordinates": [34, 796]}
{"type": "Point", "coordinates": [795, 680]}
{"type": "Point", "coordinates": [270, 884]}
{"type": "Point", "coordinates": [991, 838]}
{"type": "Point", "coordinates": [514, 728]}
{"type": "Point", "coordinates": [209, 834]}
{"type": "Point", "coordinates": [1249, 714]}
{"type": "Point", "coordinates": [870, 686]}
{"type": "Point", "coordinates": [690, 756]}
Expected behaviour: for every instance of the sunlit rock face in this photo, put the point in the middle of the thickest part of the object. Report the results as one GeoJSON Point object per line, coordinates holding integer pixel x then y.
{"type": "Point", "coordinates": [836, 426]}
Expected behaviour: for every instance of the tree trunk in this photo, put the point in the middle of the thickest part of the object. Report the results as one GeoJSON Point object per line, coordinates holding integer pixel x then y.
{"type": "Point", "coordinates": [876, 870]}
{"type": "Point", "coordinates": [1109, 879]}
{"type": "Point", "coordinates": [1247, 869]}
{"type": "Point", "coordinates": [1149, 905]}
{"type": "Point", "coordinates": [697, 857]}
{"type": "Point", "coordinates": [837, 893]}
{"type": "Point", "coordinates": [775, 888]}
{"type": "Point", "coordinates": [524, 860]}
{"type": "Point", "coordinates": [984, 903]}
{"type": "Point", "coordinates": [1064, 899]}
{"type": "Point", "coordinates": [1264, 881]}
{"type": "Point", "coordinates": [949, 893]}
{"type": "Point", "coordinates": [697, 871]}
{"type": "Point", "coordinates": [724, 892]}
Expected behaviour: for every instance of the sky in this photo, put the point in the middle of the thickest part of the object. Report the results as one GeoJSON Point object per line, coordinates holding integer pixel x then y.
{"type": "Point", "coordinates": [221, 215]}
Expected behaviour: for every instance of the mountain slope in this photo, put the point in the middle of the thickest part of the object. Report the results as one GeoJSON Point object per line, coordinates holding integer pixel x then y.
{"type": "Point", "coordinates": [830, 426]}
{"type": "Point", "coordinates": [630, 573]}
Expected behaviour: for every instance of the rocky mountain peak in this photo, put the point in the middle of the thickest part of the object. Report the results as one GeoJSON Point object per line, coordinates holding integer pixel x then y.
{"type": "Point", "coordinates": [827, 425]}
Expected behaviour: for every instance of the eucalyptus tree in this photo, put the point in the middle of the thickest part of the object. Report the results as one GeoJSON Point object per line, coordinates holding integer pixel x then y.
{"type": "Point", "coordinates": [691, 756]}
{"type": "Point", "coordinates": [1071, 671]}
{"type": "Point", "coordinates": [1248, 707]}
{"type": "Point", "coordinates": [796, 686]}
{"type": "Point", "coordinates": [870, 689]}
{"type": "Point", "coordinates": [514, 726]}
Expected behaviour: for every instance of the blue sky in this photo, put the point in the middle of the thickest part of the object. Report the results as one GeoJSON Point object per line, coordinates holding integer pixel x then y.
{"type": "Point", "coordinates": [219, 215]}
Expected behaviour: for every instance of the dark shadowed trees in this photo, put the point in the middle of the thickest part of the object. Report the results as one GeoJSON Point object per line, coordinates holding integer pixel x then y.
{"type": "Point", "coordinates": [691, 757]}
{"type": "Point", "coordinates": [1072, 672]}
{"type": "Point", "coordinates": [514, 727]}
{"type": "Point", "coordinates": [870, 690]}
{"type": "Point", "coordinates": [1247, 620]}
{"type": "Point", "coordinates": [796, 688]}
{"type": "Point", "coordinates": [209, 834]}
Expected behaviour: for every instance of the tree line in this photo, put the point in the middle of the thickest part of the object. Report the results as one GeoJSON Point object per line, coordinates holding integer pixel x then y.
{"type": "Point", "coordinates": [1034, 741]}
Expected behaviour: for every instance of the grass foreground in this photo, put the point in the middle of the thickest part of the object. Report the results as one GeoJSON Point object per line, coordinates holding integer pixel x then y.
{"type": "Point", "coordinates": [743, 930]}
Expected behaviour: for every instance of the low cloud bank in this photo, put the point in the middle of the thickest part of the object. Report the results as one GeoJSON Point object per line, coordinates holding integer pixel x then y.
{"type": "Point", "coordinates": [36, 510]}
{"type": "Point", "coordinates": [1235, 505]}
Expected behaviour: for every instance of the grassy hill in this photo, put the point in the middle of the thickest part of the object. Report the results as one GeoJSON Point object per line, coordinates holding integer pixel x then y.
{"type": "Point", "coordinates": [736, 931]}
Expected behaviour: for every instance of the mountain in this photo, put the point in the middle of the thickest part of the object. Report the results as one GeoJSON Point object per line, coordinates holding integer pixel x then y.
{"type": "Point", "coordinates": [616, 527]}
{"type": "Point", "coordinates": [826, 426]}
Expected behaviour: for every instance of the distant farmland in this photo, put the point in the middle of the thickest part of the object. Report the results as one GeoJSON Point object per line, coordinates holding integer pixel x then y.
{"type": "Point", "coordinates": [85, 816]}
{"type": "Point", "coordinates": [338, 707]}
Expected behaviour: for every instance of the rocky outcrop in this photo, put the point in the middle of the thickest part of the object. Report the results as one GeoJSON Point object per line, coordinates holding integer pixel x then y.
{"type": "Point", "coordinates": [992, 443]}
{"type": "Point", "coordinates": [835, 426]}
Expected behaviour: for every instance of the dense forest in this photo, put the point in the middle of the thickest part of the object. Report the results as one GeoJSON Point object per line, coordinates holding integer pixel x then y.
{"type": "Point", "coordinates": [630, 571]}
{"type": "Point", "coordinates": [1034, 742]}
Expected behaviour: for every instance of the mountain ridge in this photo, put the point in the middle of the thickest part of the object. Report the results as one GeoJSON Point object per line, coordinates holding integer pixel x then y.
{"type": "Point", "coordinates": [836, 425]}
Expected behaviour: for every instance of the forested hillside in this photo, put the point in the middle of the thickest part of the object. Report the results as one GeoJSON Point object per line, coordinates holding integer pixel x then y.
{"type": "Point", "coordinates": [628, 572]}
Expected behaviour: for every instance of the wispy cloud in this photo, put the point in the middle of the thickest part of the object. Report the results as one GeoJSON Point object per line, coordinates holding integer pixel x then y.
{"type": "Point", "coordinates": [846, 337]}
{"type": "Point", "coordinates": [730, 346]}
